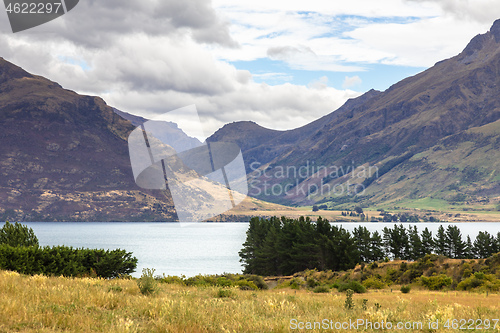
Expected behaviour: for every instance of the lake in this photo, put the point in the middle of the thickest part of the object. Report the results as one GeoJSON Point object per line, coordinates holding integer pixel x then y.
{"type": "Point", "coordinates": [188, 248]}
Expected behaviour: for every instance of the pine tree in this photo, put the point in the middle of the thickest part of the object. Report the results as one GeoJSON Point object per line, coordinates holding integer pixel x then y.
{"type": "Point", "coordinates": [427, 241]}
{"type": "Point", "coordinates": [441, 242]}
{"type": "Point", "coordinates": [484, 244]}
{"type": "Point", "coordinates": [497, 248]}
{"type": "Point", "coordinates": [456, 245]}
{"type": "Point", "coordinates": [256, 233]}
{"type": "Point", "coordinates": [17, 235]}
{"type": "Point", "coordinates": [416, 249]}
{"type": "Point", "coordinates": [377, 247]}
{"type": "Point", "coordinates": [362, 239]}
{"type": "Point", "coordinates": [396, 241]}
{"type": "Point", "coordinates": [469, 249]}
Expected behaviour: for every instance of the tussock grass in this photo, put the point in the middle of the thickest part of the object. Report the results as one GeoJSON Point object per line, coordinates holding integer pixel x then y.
{"type": "Point", "coordinates": [55, 304]}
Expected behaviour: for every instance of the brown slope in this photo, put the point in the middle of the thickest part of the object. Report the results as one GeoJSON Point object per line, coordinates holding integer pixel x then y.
{"type": "Point", "coordinates": [65, 157]}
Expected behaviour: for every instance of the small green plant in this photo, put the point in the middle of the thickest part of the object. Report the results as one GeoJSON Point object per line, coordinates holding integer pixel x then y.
{"type": "Point", "coordinates": [147, 283]}
{"type": "Point", "coordinates": [405, 289]}
{"type": "Point", "coordinates": [349, 303]}
{"type": "Point", "coordinates": [364, 304]}
{"type": "Point", "coordinates": [377, 306]}
{"type": "Point", "coordinates": [321, 289]}
{"type": "Point", "coordinates": [224, 293]}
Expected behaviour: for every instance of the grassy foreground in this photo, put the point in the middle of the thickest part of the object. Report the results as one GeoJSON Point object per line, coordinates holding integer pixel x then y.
{"type": "Point", "coordinates": [55, 304]}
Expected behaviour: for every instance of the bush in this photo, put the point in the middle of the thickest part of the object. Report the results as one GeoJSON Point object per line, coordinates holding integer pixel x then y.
{"type": "Point", "coordinates": [223, 282]}
{"type": "Point", "coordinates": [201, 281]}
{"type": "Point", "coordinates": [479, 280]}
{"type": "Point", "coordinates": [171, 280]}
{"type": "Point", "coordinates": [147, 283]}
{"type": "Point", "coordinates": [321, 289]}
{"type": "Point", "coordinates": [374, 283]}
{"type": "Point", "coordinates": [353, 285]}
{"type": "Point", "coordinates": [436, 282]}
{"type": "Point", "coordinates": [17, 235]}
{"type": "Point", "coordinates": [224, 293]}
{"type": "Point", "coordinates": [405, 289]}
{"type": "Point", "coordinates": [312, 282]}
{"type": "Point", "coordinates": [246, 285]}
{"type": "Point", "coordinates": [67, 261]}
{"type": "Point", "coordinates": [257, 280]}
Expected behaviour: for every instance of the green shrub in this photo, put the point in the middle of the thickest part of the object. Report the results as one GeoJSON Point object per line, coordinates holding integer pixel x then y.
{"type": "Point", "coordinates": [223, 282]}
{"type": "Point", "coordinates": [479, 280]}
{"type": "Point", "coordinates": [67, 261]}
{"type": "Point", "coordinates": [147, 283]}
{"type": "Point", "coordinates": [201, 281]}
{"type": "Point", "coordinates": [374, 283]}
{"type": "Point", "coordinates": [246, 285]}
{"type": "Point", "coordinates": [17, 235]}
{"type": "Point", "coordinates": [436, 282]}
{"type": "Point", "coordinates": [405, 289]}
{"type": "Point", "coordinates": [312, 282]}
{"type": "Point", "coordinates": [256, 279]}
{"type": "Point", "coordinates": [353, 285]}
{"type": "Point", "coordinates": [321, 289]}
{"type": "Point", "coordinates": [224, 293]}
{"type": "Point", "coordinates": [294, 283]}
{"type": "Point", "coordinates": [392, 275]}
{"type": "Point", "coordinates": [171, 280]}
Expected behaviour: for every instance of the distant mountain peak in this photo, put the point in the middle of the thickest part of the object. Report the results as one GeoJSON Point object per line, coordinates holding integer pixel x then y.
{"type": "Point", "coordinates": [495, 30]}
{"type": "Point", "coordinates": [482, 46]}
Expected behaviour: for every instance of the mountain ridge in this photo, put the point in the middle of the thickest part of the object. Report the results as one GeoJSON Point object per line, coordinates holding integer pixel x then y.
{"type": "Point", "coordinates": [387, 129]}
{"type": "Point", "coordinates": [64, 156]}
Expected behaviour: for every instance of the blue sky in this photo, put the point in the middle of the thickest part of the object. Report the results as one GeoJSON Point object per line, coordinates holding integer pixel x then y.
{"type": "Point", "coordinates": [369, 75]}
{"type": "Point", "coordinates": [281, 64]}
{"type": "Point", "coordinates": [373, 76]}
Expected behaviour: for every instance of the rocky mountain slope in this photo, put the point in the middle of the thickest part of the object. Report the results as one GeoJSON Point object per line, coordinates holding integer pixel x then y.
{"type": "Point", "coordinates": [64, 156]}
{"type": "Point", "coordinates": [433, 135]}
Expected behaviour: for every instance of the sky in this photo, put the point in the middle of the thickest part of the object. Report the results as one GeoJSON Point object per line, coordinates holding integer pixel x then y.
{"type": "Point", "coordinates": [281, 64]}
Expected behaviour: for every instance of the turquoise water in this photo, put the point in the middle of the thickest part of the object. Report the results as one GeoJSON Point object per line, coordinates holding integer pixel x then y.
{"type": "Point", "coordinates": [185, 249]}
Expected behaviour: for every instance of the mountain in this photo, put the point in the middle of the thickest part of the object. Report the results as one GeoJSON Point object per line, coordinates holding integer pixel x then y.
{"type": "Point", "coordinates": [433, 135]}
{"type": "Point", "coordinates": [64, 157]}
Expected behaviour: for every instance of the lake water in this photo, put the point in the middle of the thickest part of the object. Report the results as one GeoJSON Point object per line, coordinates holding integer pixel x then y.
{"type": "Point", "coordinates": [186, 249]}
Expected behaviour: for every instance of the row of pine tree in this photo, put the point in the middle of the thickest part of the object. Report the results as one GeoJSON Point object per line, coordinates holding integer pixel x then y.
{"type": "Point", "coordinates": [283, 246]}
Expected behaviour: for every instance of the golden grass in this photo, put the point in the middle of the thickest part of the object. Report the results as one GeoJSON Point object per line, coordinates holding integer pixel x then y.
{"type": "Point", "coordinates": [56, 304]}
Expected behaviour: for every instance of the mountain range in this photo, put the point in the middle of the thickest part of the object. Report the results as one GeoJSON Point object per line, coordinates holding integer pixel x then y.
{"type": "Point", "coordinates": [435, 135]}
{"type": "Point", "coordinates": [432, 137]}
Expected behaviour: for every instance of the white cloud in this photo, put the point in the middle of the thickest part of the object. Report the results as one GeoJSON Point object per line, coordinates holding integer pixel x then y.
{"type": "Point", "coordinates": [149, 74]}
{"type": "Point", "coordinates": [316, 35]}
{"type": "Point", "coordinates": [321, 83]}
{"type": "Point", "coordinates": [421, 43]}
{"type": "Point", "coordinates": [273, 77]}
{"type": "Point", "coordinates": [478, 10]}
{"type": "Point", "coordinates": [150, 57]}
{"type": "Point", "coordinates": [351, 81]}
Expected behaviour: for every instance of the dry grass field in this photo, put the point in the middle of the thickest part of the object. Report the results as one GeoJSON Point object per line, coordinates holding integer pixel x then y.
{"type": "Point", "coordinates": [58, 304]}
